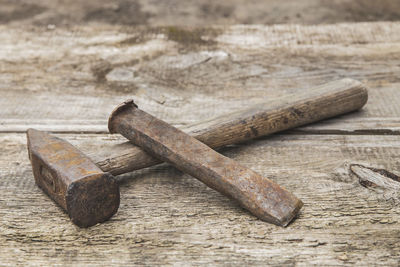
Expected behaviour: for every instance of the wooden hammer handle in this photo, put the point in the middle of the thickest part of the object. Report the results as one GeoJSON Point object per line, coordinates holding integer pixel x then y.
{"type": "Point", "coordinates": [322, 102]}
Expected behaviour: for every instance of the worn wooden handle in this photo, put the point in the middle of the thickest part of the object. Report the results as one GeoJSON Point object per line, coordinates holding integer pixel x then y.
{"type": "Point", "coordinates": [322, 102]}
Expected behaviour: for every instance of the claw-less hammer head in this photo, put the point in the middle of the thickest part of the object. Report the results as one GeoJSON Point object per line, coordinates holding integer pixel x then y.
{"type": "Point", "coordinates": [72, 180]}
{"type": "Point", "coordinates": [91, 196]}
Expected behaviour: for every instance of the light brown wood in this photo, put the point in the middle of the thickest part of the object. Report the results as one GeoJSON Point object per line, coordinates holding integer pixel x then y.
{"type": "Point", "coordinates": [317, 103]}
{"type": "Point", "coordinates": [51, 14]}
{"type": "Point", "coordinates": [50, 80]}
{"type": "Point", "coordinates": [163, 217]}
{"type": "Point", "coordinates": [46, 73]}
{"type": "Point", "coordinates": [379, 180]}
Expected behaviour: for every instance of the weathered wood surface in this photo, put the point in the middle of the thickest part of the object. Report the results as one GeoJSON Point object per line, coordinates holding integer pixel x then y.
{"type": "Point", "coordinates": [183, 76]}
{"type": "Point", "coordinates": [68, 80]}
{"type": "Point", "coordinates": [57, 13]}
{"type": "Point", "coordinates": [170, 218]}
{"type": "Point", "coordinates": [315, 104]}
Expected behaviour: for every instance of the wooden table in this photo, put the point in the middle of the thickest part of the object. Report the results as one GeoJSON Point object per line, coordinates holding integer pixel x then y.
{"type": "Point", "coordinates": [68, 81]}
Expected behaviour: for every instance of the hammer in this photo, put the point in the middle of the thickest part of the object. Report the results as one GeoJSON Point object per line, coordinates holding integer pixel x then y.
{"type": "Point", "coordinates": [90, 194]}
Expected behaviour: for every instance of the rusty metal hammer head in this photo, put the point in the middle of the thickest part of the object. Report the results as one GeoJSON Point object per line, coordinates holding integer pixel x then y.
{"type": "Point", "coordinates": [72, 180]}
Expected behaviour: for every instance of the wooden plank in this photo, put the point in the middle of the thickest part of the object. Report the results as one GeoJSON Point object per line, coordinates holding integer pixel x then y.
{"type": "Point", "coordinates": [167, 217]}
{"type": "Point", "coordinates": [52, 14]}
{"type": "Point", "coordinates": [69, 80]}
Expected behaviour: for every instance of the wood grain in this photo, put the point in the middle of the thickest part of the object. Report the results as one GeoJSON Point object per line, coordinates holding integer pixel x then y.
{"type": "Point", "coordinates": [202, 74]}
{"type": "Point", "coordinates": [51, 80]}
{"type": "Point", "coordinates": [163, 218]}
{"type": "Point", "coordinates": [317, 103]}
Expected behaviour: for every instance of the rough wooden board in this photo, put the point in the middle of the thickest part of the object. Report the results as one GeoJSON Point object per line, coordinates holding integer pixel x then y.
{"type": "Point", "coordinates": [170, 218]}
{"type": "Point", "coordinates": [70, 79]}
{"type": "Point", "coordinates": [184, 76]}
{"type": "Point", "coordinates": [57, 13]}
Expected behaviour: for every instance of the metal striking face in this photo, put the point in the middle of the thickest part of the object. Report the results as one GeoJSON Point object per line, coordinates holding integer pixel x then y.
{"type": "Point", "coordinates": [72, 180]}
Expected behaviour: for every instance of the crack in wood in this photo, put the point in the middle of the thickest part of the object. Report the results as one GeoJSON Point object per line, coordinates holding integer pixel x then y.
{"type": "Point", "coordinates": [376, 179]}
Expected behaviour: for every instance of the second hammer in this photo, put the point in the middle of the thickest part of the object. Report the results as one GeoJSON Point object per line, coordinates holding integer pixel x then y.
{"type": "Point", "coordinates": [261, 196]}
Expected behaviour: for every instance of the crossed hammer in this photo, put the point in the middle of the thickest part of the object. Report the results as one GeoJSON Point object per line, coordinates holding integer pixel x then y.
{"type": "Point", "coordinates": [89, 193]}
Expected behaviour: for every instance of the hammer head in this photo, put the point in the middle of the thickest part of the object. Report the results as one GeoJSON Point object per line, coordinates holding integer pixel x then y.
{"type": "Point", "coordinates": [72, 180]}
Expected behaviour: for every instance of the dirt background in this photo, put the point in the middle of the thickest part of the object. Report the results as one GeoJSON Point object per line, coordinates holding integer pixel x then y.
{"type": "Point", "coordinates": [194, 12]}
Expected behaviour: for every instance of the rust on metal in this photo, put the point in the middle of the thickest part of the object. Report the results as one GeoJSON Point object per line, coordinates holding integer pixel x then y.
{"type": "Point", "coordinates": [321, 102]}
{"type": "Point", "coordinates": [261, 196]}
{"type": "Point", "coordinates": [72, 180]}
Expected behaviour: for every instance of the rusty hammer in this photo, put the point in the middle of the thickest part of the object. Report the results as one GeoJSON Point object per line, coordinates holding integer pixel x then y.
{"type": "Point", "coordinates": [90, 194]}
